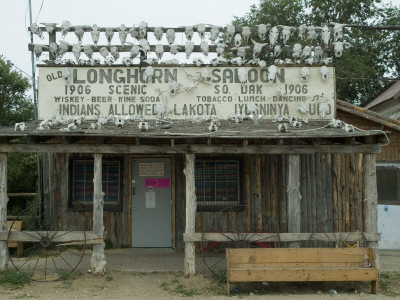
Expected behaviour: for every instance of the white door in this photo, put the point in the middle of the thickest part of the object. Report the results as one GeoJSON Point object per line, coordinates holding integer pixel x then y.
{"type": "Point", "coordinates": [151, 202]}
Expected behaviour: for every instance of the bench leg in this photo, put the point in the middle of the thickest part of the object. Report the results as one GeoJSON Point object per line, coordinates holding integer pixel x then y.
{"type": "Point", "coordinates": [20, 249]}
{"type": "Point", "coordinates": [228, 287]}
{"type": "Point", "coordinates": [374, 287]}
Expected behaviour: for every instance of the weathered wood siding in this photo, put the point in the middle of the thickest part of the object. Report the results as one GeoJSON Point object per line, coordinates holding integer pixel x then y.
{"type": "Point", "coordinates": [55, 193]}
{"type": "Point", "coordinates": [331, 186]}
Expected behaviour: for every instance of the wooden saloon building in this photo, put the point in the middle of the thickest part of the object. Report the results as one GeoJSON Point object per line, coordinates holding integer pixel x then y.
{"type": "Point", "coordinates": [295, 176]}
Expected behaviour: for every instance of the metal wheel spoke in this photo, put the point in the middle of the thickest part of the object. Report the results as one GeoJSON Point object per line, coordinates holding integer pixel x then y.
{"type": "Point", "coordinates": [31, 235]}
{"type": "Point", "coordinates": [64, 233]}
{"type": "Point", "coordinates": [66, 262]}
{"type": "Point", "coordinates": [30, 248]}
{"type": "Point", "coordinates": [34, 269]}
{"type": "Point", "coordinates": [45, 267]}
{"type": "Point", "coordinates": [54, 263]}
{"type": "Point", "coordinates": [73, 252]}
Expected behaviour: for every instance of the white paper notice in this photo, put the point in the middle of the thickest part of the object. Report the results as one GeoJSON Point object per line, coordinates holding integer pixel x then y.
{"type": "Point", "coordinates": [150, 199]}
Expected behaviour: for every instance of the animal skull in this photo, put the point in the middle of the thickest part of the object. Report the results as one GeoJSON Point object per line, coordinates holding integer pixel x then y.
{"type": "Point", "coordinates": [87, 49]}
{"type": "Point", "coordinates": [201, 30]}
{"type": "Point", "coordinates": [306, 52]}
{"type": "Point", "coordinates": [318, 53]}
{"type": "Point", "coordinates": [144, 44]}
{"type": "Point", "coordinates": [127, 61]}
{"type": "Point", "coordinates": [220, 49]}
{"type": "Point", "coordinates": [123, 33]}
{"type": "Point", "coordinates": [50, 27]}
{"type": "Point", "coordinates": [204, 48]}
{"type": "Point", "coordinates": [189, 32]}
{"type": "Point", "coordinates": [277, 50]}
{"type": "Point", "coordinates": [158, 33]}
{"type": "Point", "coordinates": [323, 109]}
{"type": "Point", "coordinates": [173, 88]}
{"type": "Point", "coordinates": [230, 31]}
{"type": "Point", "coordinates": [114, 52]}
{"type": "Point", "coordinates": [35, 29]}
{"type": "Point", "coordinates": [311, 32]}
{"type": "Point", "coordinates": [242, 75]}
{"type": "Point", "coordinates": [104, 52]}
{"type": "Point", "coordinates": [148, 73]}
{"type": "Point", "coordinates": [76, 49]}
{"type": "Point", "coordinates": [38, 49]}
{"type": "Point", "coordinates": [262, 31]}
{"type": "Point", "coordinates": [170, 36]}
{"type": "Point", "coordinates": [237, 40]}
{"type": "Point", "coordinates": [326, 35]}
{"type": "Point", "coordinates": [143, 29]}
{"type": "Point", "coordinates": [205, 75]}
{"type": "Point", "coordinates": [286, 32]}
{"type": "Point", "coordinates": [79, 31]}
{"type": "Point", "coordinates": [302, 31]}
{"type": "Point", "coordinates": [324, 73]}
{"type": "Point", "coordinates": [297, 50]}
{"type": "Point", "coordinates": [302, 108]}
{"type": "Point", "coordinates": [109, 34]}
{"type": "Point", "coordinates": [53, 49]}
{"type": "Point", "coordinates": [65, 28]}
{"type": "Point", "coordinates": [19, 126]}
{"type": "Point", "coordinates": [109, 60]}
{"type": "Point", "coordinates": [159, 51]}
{"type": "Point", "coordinates": [134, 52]}
{"type": "Point", "coordinates": [272, 70]}
{"type": "Point", "coordinates": [338, 31]}
{"type": "Point", "coordinates": [304, 73]}
{"type": "Point", "coordinates": [95, 33]}
{"type": "Point", "coordinates": [273, 36]}
{"type": "Point", "coordinates": [257, 48]}
{"type": "Point", "coordinates": [134, 32]}
{"type": "Point", "coordinates": [237, 60]}
{"type": "Point", "coordinates": [241, 52]}
{"type": "Point", "coordinates": [339, 47]}
{"type": "Point", "coordinates": [189, 46]}
{"type": "Point", "coordinates": [214, 32]}
{"type": "Point", "coordinates": [143, 126]}
{"type": "Point", "coordinates": [174, 49]}
{"type": "Point", "coordinates": [246, 32]}
{"type": "Point", "coordinates": [63, 48]}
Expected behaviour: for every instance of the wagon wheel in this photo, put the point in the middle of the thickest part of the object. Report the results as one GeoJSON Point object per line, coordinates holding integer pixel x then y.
{"type": "Point", "coordinates": [213, 252]}
{"type": "Point", "coordinates": [49, 251]}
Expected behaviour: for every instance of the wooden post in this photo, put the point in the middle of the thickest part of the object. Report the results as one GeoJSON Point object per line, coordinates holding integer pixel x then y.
{"type": "Point", "coordinates": [294, 197]}
{"type": "Point", "coordinates": [98, 260]}
{"type": "Point", "coordinates": [370, 203]}
{"type": "Point", "coordinates": [3, 210]}
{"type": "Point", "coordinates": [190, 253]}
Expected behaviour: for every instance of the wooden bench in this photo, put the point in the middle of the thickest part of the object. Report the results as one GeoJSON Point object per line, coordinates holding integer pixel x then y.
{"type": "Point", "coordinates": [18, 225]}
{"type": "Point", "coordinates": [301, 264]}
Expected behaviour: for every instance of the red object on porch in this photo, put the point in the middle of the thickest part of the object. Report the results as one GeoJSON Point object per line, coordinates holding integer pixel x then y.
{"type": "Point", "coordinates": [211, 245]}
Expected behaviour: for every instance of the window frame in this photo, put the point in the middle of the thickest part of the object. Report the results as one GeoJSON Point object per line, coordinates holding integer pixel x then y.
{"type": "Point", "coordinates": [388, 166]}
{"type": "Point", "coordinates": [219, 205]}
{"type": "Point", "coordinates": [75, 205]}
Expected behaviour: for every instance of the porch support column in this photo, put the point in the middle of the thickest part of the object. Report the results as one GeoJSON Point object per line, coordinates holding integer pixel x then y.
{"type": "Point", "coordinates": [3, 210]}
{"type": "Point", "coordinates": [370, 203]}
{"type": "Point", "coordinates": [190, 253]}
{"type": "Point", "coordinates": [98, 260]}
{"type": "Point", "coordinates": [294, 197]}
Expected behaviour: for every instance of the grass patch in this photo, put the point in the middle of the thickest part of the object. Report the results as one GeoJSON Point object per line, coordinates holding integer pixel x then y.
{"type": "Point", "coordinates": [176, 288]}
{"type": "Point", "coordinates": [13, 279]}
{"type": "Point", "coordinates": [389, 284]}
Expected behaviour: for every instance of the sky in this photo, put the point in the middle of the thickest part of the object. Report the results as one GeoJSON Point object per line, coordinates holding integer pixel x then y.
{"type": "Point", "coordinates": [14, 18]}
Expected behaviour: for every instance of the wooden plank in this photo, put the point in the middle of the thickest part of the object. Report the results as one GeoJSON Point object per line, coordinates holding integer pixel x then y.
{"type": "Point", "coordinates": [370, 201]}
{"type": "Point", "coordinates": [283, 237]}
{"type": "Point", "coordinates": [298, 255]}
{"type": "Point", "coordinates": [297, 264]}
{"type": "Point", "coordinates": [294, 197]}
{"type": "Point", "coordinates": [167, 149]}
{"type": "Point", "coordinates": [190, 254]}
{"type": "Point", "coordinates": [22, 194]}
{"type": "Point", "coordinates": [59, 236]}
{"type": "Point", "coordinates": [257, 193]}
{"type": "Point", "coordinates": [301, 274]}
{"type": "Point", "coordinates": [98, 260]}
{"type": "Point", "coordinates": [3, 210]}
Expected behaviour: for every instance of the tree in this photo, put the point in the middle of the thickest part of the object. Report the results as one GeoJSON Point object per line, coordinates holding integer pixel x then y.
{"type": "Point", "coordinates": [13, 86]}
{"type": "Point", "coordinates": [372, 54]}
{"type": "Point", "coordinates": [17, 107]}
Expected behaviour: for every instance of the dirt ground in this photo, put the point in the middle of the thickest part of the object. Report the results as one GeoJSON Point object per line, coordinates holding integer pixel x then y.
{"type": "Point", "coordinates": [128, 284]}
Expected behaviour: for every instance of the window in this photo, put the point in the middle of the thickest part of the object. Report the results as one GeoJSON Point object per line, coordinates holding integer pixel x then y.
{"type": "Point", "coordinates": [388, 182]}
{"type": "Point", "coordinates": [81, 184]}
{"type": "Point", "coordinates": [218, 183]}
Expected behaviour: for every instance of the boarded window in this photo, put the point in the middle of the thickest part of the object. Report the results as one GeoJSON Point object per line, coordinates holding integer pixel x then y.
{"type": "Point", "coordinates": [81, 183]}
{"type": "Point", "coordinates": [218, 183]}
{"type": "Point", "coordinates": [388, 181]}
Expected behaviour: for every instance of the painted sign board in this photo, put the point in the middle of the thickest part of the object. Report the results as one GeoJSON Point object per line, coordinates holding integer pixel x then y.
{"type": "Point", "coordinates": [184, 92]}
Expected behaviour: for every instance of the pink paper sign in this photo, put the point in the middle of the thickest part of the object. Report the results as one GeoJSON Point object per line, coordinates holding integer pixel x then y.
{"type": "Point", "coordinates": [157, 182]}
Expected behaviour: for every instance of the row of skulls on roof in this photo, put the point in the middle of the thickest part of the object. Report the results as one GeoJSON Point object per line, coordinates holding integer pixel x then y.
{"type": "Point", "coordinates": [278, 36]}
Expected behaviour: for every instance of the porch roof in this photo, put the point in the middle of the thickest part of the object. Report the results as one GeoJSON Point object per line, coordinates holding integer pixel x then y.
{"type": "Point", "coordinates": [188, 137]}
